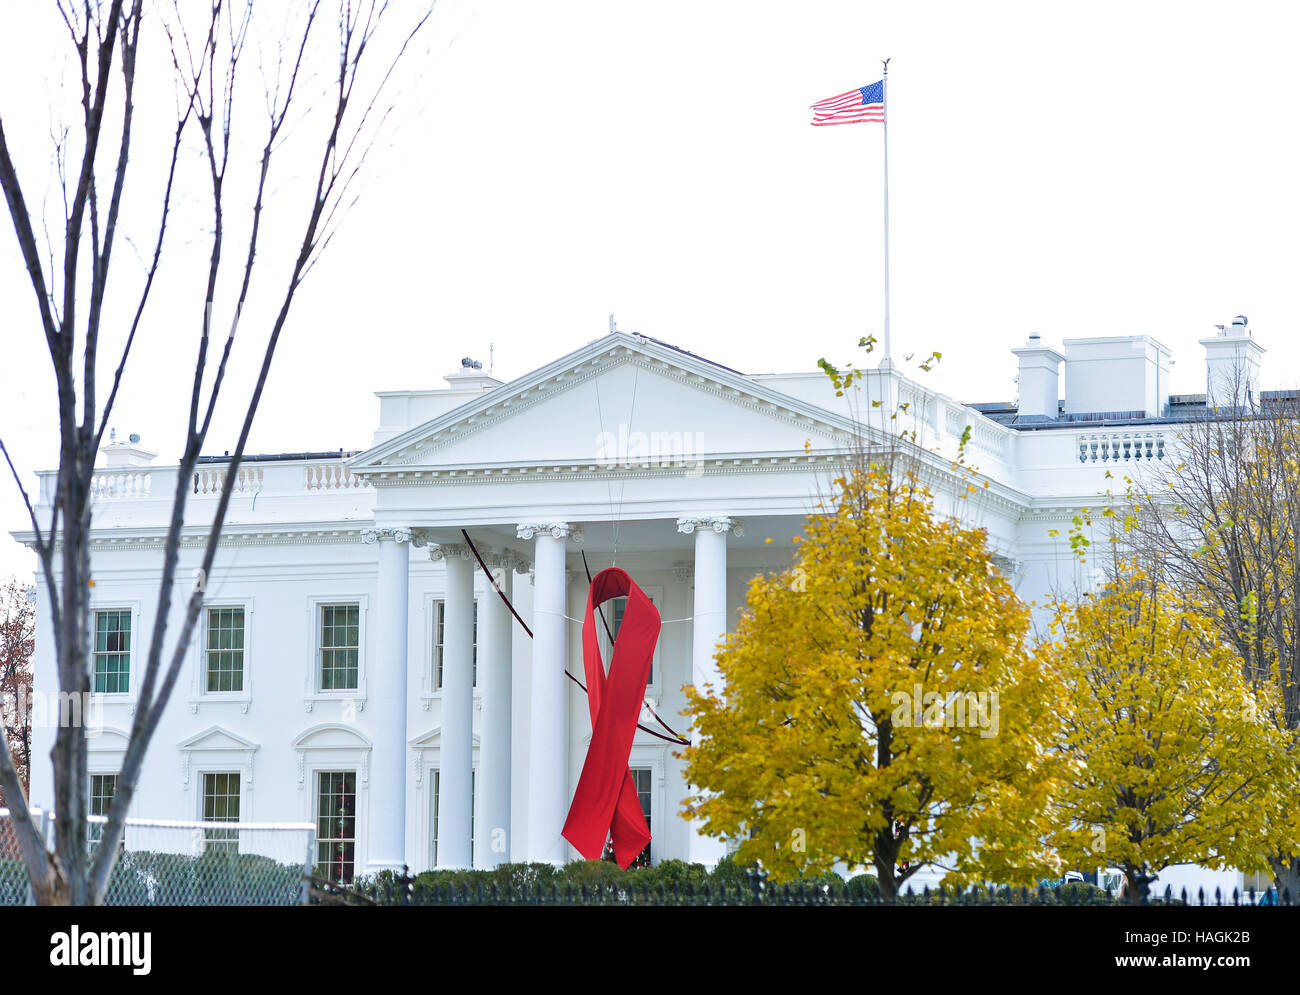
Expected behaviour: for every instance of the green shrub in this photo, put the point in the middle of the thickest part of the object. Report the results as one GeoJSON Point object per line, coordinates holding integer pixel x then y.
{"type": "Point", "coordinates": [524, 877]}
{"type": "Point", "coordinates": [863, 888]}
{"type": "Point", "coordinates": [728, 874]}
{"type": "Point", "coordinates": [672, 874]}
{"type": "Point", "coordinates": [596, 873]}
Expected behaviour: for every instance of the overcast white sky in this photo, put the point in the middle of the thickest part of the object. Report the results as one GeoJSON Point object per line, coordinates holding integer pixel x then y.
{"type": "Point", "coordinates": [1072, 169]}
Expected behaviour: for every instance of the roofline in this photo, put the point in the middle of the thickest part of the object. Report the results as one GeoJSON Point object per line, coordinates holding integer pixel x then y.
{"type": "Point", "coordinates": [592, 351]}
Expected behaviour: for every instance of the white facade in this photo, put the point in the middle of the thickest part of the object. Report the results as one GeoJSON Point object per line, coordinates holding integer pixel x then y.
{"type": "Point", "coordinates": [349, 576]}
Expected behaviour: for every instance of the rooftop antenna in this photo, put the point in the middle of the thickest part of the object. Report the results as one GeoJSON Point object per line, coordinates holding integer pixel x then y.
{"type": "Point", "coordinates": [492, 362]}
{"type": "Point", "coordinates": [612, 326]}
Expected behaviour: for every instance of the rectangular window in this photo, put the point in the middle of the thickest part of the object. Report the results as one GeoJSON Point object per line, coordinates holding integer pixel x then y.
{"type": "Point", "coordinates": [439, 611]}
{"type": "Point", "coordinates": [336, 823]}
{"type": "Point", "coordinates": [340, 645]}
{"type": "Point", "coordinates": [473, 813]}
{"type": "Point", "coordinates": [619, 606]}
{"type": "Point", "coordinates": [102, 787]}
{"type": "Point", "coordinates": [437, 794]}
{"type": "Point", "coordinates": [221, 804]}
{"type": "Point", "coordinates": [225, 651]}
{"type": "Point", "coordinates": [113, 651]}
{"type": "Point", "coordinates": [643, 778]}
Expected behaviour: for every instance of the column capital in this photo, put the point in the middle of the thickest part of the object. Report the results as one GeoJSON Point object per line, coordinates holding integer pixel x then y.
{"type": "Point", "coordinates": [507, 559]}
{"type": "Point", "coordinates": [449, 551]}
{"type": "Point", "coordinates": [385, 534]}
{"type": "Point", "coordinates": [557, 530]}
{"type": "Point", "coordinates": [689, 524]}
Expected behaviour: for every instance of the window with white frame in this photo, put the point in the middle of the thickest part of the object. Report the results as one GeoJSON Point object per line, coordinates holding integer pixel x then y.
{"type": "Point", "coordinates": [433, 817]}
{"type": "Point", "coordinates": [102, 788]}
{"type": "Point", "coordinates": [439, 613]}
{"type": "Point", "coordinates": [221, 804]}
{"type": "Point", "coordinates": [112, 664]}
{"type": "Point", "coordinates": [643, 778]}
{"type": "Point", "coordinates": [224, 643]}
{"type": "Point", "coordinates": [338, 647]}
{"type": "Point", "coordinates": [614, 610]}
{"type": "Point", "coordinates": [336, 823]}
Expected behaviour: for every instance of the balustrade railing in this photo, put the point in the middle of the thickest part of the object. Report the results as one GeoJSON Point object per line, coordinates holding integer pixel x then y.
{"type": "Point", "coordinates": [289, 477]}
{"type": "Point", "coordinates": [1120, 447]}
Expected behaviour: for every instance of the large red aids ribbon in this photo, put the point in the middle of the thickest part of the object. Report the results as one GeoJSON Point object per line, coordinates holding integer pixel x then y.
{"type": "Point", "coordinates": [605, 803]}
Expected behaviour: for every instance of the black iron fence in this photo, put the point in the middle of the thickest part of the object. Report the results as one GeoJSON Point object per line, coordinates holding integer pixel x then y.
{"type": "Point", "coordinates": [507, 886]}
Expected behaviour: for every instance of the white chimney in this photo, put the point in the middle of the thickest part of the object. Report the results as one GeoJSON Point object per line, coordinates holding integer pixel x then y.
{"type": "Point", "coordinates": [1039, 379]}
{"type": "Point", "coordinates": [1232, 365]}
{"type": "Point", "coordinates": [129, 453]}
{"type": "Point", "coordinates": [1117, 373]}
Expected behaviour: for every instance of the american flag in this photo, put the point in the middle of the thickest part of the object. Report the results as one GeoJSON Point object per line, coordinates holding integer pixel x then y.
{"type": "Point", "coordinates": [866, 103]}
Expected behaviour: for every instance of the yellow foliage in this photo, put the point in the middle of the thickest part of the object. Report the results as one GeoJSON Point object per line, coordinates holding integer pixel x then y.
{"type": "Point", "coordinates": [883, 709]}
{"type": "Point", "coordinates": [1173, 756]}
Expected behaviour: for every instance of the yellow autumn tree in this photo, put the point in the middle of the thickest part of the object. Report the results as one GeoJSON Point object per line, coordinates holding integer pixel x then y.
{"type": "Point", "coordinates": [1173, 755]}
{"type": "Point", "coordinates": [879, 706]}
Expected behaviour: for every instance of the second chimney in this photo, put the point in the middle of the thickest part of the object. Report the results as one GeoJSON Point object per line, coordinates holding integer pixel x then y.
{"type": "Point", "coordinates": [1232, 366]}
{"type": "Point", "coordinates": [1039, 380]}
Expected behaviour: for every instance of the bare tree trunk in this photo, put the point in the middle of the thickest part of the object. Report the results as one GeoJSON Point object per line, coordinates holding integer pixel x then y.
{"type": "Point", "coordinates": [107, 42]}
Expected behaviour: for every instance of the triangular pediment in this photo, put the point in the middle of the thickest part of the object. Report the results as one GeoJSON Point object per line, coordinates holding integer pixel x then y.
{"type": "Point", "coordinates": [622, 399]}
{"type": "Point", "coordinates": [432, 740]}
{"type": "Point", "coordinates": [217, 738]}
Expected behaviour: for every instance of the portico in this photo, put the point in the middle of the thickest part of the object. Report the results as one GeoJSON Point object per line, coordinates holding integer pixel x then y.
{"type": "Point", "coordinates": [510, 746]}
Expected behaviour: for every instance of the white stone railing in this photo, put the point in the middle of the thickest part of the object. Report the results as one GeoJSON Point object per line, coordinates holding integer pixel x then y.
{"type": "Point", "coordinates": [984, 434]}
{"type": "Point", "coordinates": [1120, 447]}
{"type": "Point", "coordinates": [286, 477]}
{"type": "Point", "coordinates": [331, 476]}
{"type": "Point", "coordinates": [210, 480]}
{"type": "Point", "coordinates": [114, 485]}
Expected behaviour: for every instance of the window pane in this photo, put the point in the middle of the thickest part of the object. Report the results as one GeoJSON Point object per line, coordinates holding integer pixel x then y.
{"type": "Point", "coordinates": [102, 787]}
{"type": "Point", "coordinates": [225, 650]}
{"type": "Point", "coordinates": [339, 647]}
{"type": "Point", "coordinates": [221, 804]}
{"type": "Point", "coordinates": [336, 793]}
{"type": "Point", "coordinates": [112, 674]}
{"type": "Point", "coordinates": [641, 777]}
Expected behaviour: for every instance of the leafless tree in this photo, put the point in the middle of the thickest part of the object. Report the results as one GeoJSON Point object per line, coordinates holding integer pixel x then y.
{"type": "Point", "coordinates": [1222, 526]}
{"type": "Point", "coordinates": [283, 73]}
{"type": "Point", "coordinates": [17, 643]}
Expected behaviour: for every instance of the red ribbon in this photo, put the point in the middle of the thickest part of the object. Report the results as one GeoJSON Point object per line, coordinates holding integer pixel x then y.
{"type": "Point", "coordinates": [605, 804]}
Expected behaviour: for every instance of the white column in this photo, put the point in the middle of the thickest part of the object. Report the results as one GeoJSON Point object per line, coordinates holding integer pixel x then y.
{"type": "Point", "coordinates": [387, 689]}
{"type": "Point", "coordinates": [548, 729]}
{"type": "Point", "coordinates": [709, 627]}
{"type": "Point", "coordinates": [496, 631]}
{"type": "Point", "coordinates": [456, 742]}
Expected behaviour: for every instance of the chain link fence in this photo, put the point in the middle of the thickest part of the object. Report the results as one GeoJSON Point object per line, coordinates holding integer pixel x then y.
{"type": "Point", "coordinates": [178, 862]}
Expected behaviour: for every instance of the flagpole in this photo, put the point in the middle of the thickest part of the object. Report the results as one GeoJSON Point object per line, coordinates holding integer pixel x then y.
{"type": "Point", "coordinates": [884, 100]}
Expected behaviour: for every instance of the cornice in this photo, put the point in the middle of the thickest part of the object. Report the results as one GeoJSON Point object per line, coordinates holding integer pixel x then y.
{"type": "Point", "coordinates": [298, 535]}
{"type": "Point", "coordinates": [717, 465]}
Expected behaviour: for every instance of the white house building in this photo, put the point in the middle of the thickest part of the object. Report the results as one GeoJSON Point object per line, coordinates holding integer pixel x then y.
{"type": "Point", "coordinates": [355, 668]}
